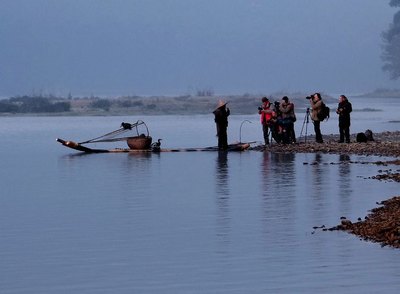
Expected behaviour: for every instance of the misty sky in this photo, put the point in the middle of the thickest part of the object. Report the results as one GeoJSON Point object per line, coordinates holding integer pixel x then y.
{"type": "Point", "coordinates": [174, 47]}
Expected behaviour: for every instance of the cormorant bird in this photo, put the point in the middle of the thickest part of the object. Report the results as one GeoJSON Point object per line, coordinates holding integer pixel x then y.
{"type": "Point", "coordinates": [156, 145]}
{"type": "Point", "coordinates": [126, 126]}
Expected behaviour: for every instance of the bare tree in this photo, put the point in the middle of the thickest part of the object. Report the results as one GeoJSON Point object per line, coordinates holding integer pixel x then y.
{"type": "Point", "coordinates": [391, 47]}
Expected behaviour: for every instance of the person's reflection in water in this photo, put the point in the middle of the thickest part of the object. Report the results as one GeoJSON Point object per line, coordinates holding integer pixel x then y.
{"type": "Point", "coordinates": [284, 167]}
{"type": "Point", "coordinates": [344, 182]}
{"type": "Point", "coordinates": [319, 185]}
{"type": "Point", "coordinates": [318, 173]}
{"type": "Point", "coordinates": [344, 167]}
{"type": "Point", "coordinates": [222, 189]}
{"type": "Point", "coordinates": [278, 194]}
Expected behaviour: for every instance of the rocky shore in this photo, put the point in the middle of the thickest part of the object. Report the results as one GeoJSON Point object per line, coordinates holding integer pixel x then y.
{"type": "Point", "coordinates": [382, 225]}
{"type": "Point", "coordinates": [384, 144]}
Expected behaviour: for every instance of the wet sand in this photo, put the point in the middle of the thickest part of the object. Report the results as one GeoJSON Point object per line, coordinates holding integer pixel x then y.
{"type": "Point", "coordinates": [382, 225]}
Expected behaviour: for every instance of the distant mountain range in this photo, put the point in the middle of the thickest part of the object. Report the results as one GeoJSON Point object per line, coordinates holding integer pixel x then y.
{"type": "Point", "coordinates": [382, 93]}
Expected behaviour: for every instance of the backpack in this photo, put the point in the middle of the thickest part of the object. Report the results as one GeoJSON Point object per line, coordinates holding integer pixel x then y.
{"type": "Point", "coordinates": [324, 112]}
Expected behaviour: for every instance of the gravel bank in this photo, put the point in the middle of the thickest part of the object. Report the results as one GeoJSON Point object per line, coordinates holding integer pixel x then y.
{"type": "Point", "coordinates": [382, 225]}
{"type": "Point", "coordinates": [385, 144]}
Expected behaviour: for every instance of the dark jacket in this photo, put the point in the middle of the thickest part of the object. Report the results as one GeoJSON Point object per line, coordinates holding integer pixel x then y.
{"type": "Point", "coordinates": [221, 117]}
{"type": "Point", "coordinates": [344, 109]}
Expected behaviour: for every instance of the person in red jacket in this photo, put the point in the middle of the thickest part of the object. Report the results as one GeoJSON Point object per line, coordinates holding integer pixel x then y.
{"type": "Point", "coordinates": [266, 114]}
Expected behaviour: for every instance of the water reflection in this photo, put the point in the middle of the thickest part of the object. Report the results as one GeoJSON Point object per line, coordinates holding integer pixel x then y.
{"type": "Point", "coordinates": [344, 170]}
{"type": "Point", "coordinates": [222, 194]}
{"type": "Point", "coordinates": [278, 193]}
{"type": "Point", "coordinates": [278, 171]}
{"type": "Point", "coordinates": [284, 166]}
{"type": "Point", "coordinates": [319, 185]}
{"type": "Point", "coordinates": [344, 182]}
{"type": "Point", "coordinates": [318, 172]}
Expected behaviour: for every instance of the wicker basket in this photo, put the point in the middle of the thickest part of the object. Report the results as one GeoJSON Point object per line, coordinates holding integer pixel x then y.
{"type": "Point", "coordinates": [139, 143]}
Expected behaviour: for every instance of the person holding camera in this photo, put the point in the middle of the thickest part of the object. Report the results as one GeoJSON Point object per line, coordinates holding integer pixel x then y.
{"type": "Point", "coordinates": [316, 107]}
{"type": "Point", "coordinates": [221, 114]}
{"type": "Point", "coordinates": [266, 115]}
{"type": "Point", "coordinates": [288, 117]}
{"type": "Point", "coordinates": [343, 110]}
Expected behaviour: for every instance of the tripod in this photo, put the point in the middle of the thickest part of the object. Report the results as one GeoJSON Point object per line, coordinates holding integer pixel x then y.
{"type": "Point", "coordinates": [305, 122]}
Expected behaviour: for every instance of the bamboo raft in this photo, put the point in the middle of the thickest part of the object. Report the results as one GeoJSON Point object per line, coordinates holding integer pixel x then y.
{"type": "Point", "coordinates": [79, 147]}
{"type": "Point", "coordinates": [139, 142]}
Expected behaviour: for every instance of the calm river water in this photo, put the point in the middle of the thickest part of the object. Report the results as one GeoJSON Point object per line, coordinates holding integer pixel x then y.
{"type": "Point", "coordinates": [197, 222]}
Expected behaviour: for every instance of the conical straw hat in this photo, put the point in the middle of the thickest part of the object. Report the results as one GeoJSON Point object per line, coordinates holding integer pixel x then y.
{"type": "Point", "coordinates": [221, 103]}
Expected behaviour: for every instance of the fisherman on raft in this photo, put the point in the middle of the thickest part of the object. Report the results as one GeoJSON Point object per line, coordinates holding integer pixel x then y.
{"type": "Point", "coordinates": [221, 114]}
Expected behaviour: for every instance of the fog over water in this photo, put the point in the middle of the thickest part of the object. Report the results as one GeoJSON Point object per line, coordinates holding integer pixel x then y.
{"type": "Point", "coordinates": [169, 47]}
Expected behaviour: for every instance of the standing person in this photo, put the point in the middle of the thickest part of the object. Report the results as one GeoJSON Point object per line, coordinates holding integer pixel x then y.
{"type": "Point", "coordinates": [343, 110]}
{"type": "Point", "coordinates": [266, 115]}
{"type": "Point", "coordinates": [286, 107]}
{"type": "Point", "coordinates": [221, 114]}
{"type": "Point", "coordinates": [316, 107]}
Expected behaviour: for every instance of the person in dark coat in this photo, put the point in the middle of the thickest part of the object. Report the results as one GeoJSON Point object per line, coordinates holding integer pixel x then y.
{"type": "Point", "coordinates": [286, 108]}
{"type": "Point", "coordinates": [221, 114]}
{"type": "Point", "coordinates": [343, 110]}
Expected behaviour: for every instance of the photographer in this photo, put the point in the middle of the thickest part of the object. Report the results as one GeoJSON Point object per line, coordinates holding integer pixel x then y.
{"type": "Point", "coordinates": [343, 110]}
{"type": "Point", "coordinates": [316, 107]}
{"type": "Point", "coordinates": [267, 115]}
{"type": "Point", "coordinates": [288, 118]}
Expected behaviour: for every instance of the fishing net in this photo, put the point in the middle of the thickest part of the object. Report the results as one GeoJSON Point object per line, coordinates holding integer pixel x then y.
{"type": "Point", "coordinates": [126, 131]}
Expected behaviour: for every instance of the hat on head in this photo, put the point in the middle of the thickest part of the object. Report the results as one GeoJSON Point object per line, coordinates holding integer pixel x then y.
{"type": "Point", "coordinates": [264, 99]}
{"type": "Point", "coordinates": [221, 103]}
{"type": "Point", "coordinates": [285, 98]}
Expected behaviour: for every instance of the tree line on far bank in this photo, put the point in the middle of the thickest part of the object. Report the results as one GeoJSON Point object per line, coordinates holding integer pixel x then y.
{"type": "Point", "coordinates": [33, 104]}
{"type": "Point", "coordinates": [138, 105]}
{"type": "Point", "coordinates": [42, 104]}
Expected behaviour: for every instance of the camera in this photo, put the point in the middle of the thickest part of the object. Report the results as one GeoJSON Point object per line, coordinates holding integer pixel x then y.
{"type": "Point", "coordinates": [309, 97]}
{"type": "Point", "coordinates": [260, 108]}
{"type": "Point", "coordinates": [277, 103]}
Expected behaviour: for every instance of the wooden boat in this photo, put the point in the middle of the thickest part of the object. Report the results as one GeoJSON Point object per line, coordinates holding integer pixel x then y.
{"type": "Point", "coordinates": [128, 132]}
{"type": "Point", "coordinates": [79, 147]}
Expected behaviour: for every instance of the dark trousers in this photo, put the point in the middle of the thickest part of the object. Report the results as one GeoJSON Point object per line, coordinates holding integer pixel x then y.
{"type": "Point", "coordinates": [317, 130]}
{"type": "Point", "coordinates": [265, 133]}
{"type": "Point", "coordinates": [291, 135]}
{"type": "Point", "coordinates": [344, 132]}
{"type": "Point", "coordinates": [222, 138]}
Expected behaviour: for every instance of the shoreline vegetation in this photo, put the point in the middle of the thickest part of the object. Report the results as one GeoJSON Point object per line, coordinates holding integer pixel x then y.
{"type": "Point", "coordinates": [203, 102]}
